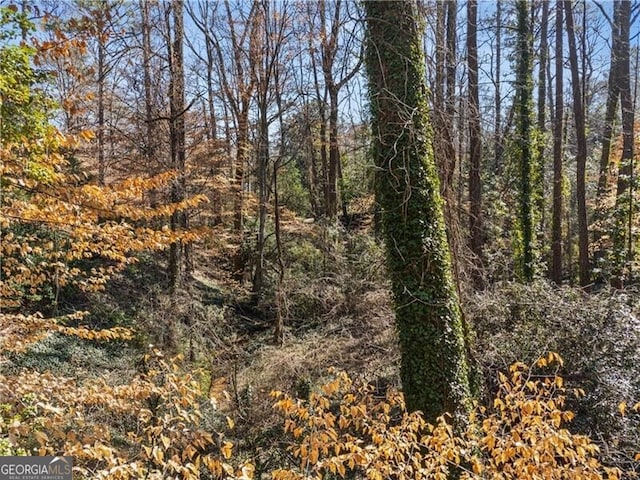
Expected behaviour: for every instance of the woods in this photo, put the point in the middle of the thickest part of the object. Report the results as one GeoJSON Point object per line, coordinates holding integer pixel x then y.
{"type": "Point", "coordinates": [205, 205]}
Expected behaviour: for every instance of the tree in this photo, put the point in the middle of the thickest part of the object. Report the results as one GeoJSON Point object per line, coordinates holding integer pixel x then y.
{"type": "Point", "coordinates": [272, 27]}
{"type": "Point", "coordinates": [176, 132]}
{"type": "Point", "coordinates": [556, 227]}
{"type": "Point", "coordinates": [523, 100]}
{"type": "Point", "coordinates": [475, 143]}
{"type": "Point", "coordinates": [57, 230]}
{"type": "Point", "coordinates": [150, 140]}
{"type": "Point", "coordinates": [623, 236]}
{"type": "Point", "coordinates": [497, 129]}
{"type": "Point", "coordinates": [444, 113]}
{"type": "Point", "coordinates": [339, 61]}
{"type": "Point", "coordinates": [613, 93]}
{"type": "Point", "coordinates": [235, 48]}
{"type": "Point", "coordinates": [581, 154]}
{"type": "Point", "coordinates": [434, 368]}
{"type": "Point", "coordinates": [541, 127]}
{"type": "Point", "coordinates": [444, 98]}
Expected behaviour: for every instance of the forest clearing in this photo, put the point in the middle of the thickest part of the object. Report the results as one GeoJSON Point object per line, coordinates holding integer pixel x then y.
{"type": "Point", "coordinates": [329, 239]}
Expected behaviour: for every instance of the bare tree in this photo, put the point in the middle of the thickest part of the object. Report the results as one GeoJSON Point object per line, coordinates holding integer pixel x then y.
{"type": "Point", "coordinates": [340, 59]}
{"type": "Point", "coordinates": [174, 18]}
{"type": "Point", "coordinates": [476, 229]}
{"type": "Point", "coordinates": [581, 155]}
{"type": "Point", "coordinates": [272, 27]}
{"type": "Point", "coordinates": [235, 45]}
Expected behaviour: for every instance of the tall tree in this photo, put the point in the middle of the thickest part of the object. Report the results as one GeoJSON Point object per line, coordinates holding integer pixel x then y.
{"type": "Point", "coordinates": [150, 140]}
{"type": "Point", "coordinates": [613, 94]}
{"type": "Point", "coordinates": [201, 14]}
{"type": "Point", "coordinates": [475, 143]}
{"type": "Point", "coordinates": [102, 16]}
{"type": "Point", "coordinates": [558, 117]}
{"type": "Point", "coordinates": [331, 29]}
{"type": "Point", "coordinates": [624, 192]}
{"type": "Point", "coordinates": [236, 49]}
{"type": "Point", "coordinates": [497, 130]}
{"type": "Point", "coordinates": [271, 26]}
{"type": "Point", "coordinates": [581, 154]}
{"type": "Point", "coordinates": [541, 127]}
{"type": "Point", "coordinates": [523, 100]}
{"type": "Point", "coordinates": [176, 131]}
{"type": "Point", "coordinates": [434, 367]}
{"type": "Point", "coordinates": [444, 109]}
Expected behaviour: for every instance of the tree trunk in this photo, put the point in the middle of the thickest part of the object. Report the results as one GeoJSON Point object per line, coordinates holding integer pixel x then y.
{"type": "Point", "coordinates": [334, 155]}
{"type": "Point", "coordinates": [556, 228]}
{"type": "Point", "coordinates": [434, 367]}
{"type": "Point", "coordinates": [444, 117]}
{"type": "Point", "coordinates": [148, 94]}
{"type": "Point", "coordinates": [540, 190]}
{"type": "Point", "coordinates": [234, 66]}
{"type": "Point", "coordinates": [523, 139]}
{"type": "Point", "coordinates": [270, 28]}
{"type": "Point", "coordinates": [613, 93]}
{"type": "Point", "coordinates": [581, 155]}
{"type": "Point", "coordinates": [328, 48]}
{"type": "Point", "coordinates": [101, 80]}
{"type": "Point", "coordinates": [212, 131]}
{"type": "Point", "coordinates": [177, 137]}
{"type": "Point", "coordinates": [624, 195]}
{"type": "Point", "coordinates": [263, 192]}
{"type": "Point", "coordinates": [497, 132]}
{"type": "Point", "coordinates": [476, 229]}
{"type": "Point", "coordinates": [330, 44]}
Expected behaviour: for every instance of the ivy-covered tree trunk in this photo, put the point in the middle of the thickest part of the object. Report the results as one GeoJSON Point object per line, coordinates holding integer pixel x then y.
{"type": "Point", "coordinates": [558, 175]}
{"type": "Point", "coordinates": [524, 90]}
{"type": "Point", "coordinates": [434, 367]}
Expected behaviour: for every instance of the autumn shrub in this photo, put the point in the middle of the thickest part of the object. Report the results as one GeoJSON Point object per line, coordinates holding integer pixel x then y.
{"type": "Point", "coordinates": [149, 427]}
{"type": "Point", "coordinates": [344, 429]}
{"type": "Point", "coordinates": [598, 334]}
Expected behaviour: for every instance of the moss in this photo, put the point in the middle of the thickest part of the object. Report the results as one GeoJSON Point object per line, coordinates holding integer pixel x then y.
{"type": "Point", "coordinates": [434, 367]}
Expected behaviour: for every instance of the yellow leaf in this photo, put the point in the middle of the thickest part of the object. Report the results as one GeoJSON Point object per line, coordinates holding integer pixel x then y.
{"type": "Point", "coordinates": [165, 441]}
{"type": "Point", "coordinates": [41, 437]}
{"type": "Point", "coordinates": [226, 450]}
{"type": "Point", "coordinates": [87, 135]}
{"type": "Point", "coordinates": [622, 408]}
{"type": "Point", "coordinates": [247, 471]}
{"type": "Point", "coordinates": [313, 456]}
{"type": "Point", "coordinates": [157, 454]}
{"type": "Point", "coordinates": [230, 422]}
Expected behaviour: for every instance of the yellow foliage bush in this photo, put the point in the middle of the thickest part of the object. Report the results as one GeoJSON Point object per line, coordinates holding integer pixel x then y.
{"type": "Point", "coordinates": [149, 427]}
{"type": "Point", "coordinates": [345, 428]}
